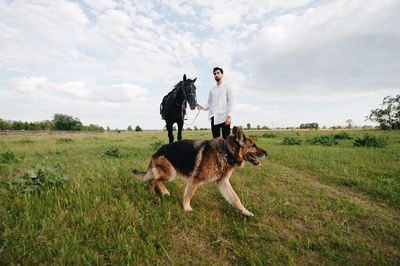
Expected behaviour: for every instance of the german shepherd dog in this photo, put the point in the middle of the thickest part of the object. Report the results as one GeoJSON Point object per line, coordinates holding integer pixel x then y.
{"type": "Point", "coordinates": [202, 161]}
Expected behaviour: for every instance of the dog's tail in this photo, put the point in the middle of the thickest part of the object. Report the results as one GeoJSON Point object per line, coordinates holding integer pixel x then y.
{"type": "Point", "coordinates": [143, 175]}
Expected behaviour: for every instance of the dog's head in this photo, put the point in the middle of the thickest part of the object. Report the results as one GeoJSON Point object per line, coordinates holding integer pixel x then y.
{"type": "Point", "coordinates": [248, 150]}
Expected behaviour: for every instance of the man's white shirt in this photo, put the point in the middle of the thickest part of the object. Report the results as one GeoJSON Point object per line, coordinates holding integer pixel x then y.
{"type": "Point", "coordinates": [220, 102]}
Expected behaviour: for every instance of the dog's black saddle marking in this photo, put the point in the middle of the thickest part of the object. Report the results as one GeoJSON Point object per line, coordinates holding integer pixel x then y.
{"type": "Point", "coordinates": [181, 154]}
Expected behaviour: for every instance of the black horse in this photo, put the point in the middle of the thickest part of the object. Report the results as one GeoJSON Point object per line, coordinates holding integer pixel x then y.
{"type": "Point", "coordinates": [173, 105]}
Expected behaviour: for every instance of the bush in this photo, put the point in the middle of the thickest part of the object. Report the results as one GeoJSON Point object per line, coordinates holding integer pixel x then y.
{"type": "Point", "coordinates": [39, 180]}
{"type": "Point", "coordinates": [369, 141]}
{"type": "Point", "coordinates": [64, 140]}
{"type": "Point", "coordinates": [325, 140]}
{"type": "Point", "coordinates": [93, 127]}
{"type": "Point", "coordinates": [7, 156]}
{"type": "Point", "coordinates": [254, 137]}
{"type": "Point", "coordinates": [342, 136]}
{"type": "Point", "coordinates": [112, 152]}
{"type": "Point", "coordinates": [291, 141]}
{"type": "Point", "coordinates": [157, 144]}
{"type": "Point", "coordinates": [268, 135]}
{"type": "Point", "coordinates": [66, 122]}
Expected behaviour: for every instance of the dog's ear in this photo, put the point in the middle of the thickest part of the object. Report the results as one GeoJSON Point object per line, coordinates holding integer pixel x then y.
{"type": "Point", "coordinates": [184, 77]}
{"type": "Point", "coordinates": [194, 80]}
{"type": "Point", "coordinates": [238, 133]}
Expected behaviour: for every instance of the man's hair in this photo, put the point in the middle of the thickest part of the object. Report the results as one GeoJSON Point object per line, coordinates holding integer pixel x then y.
{"type": "Point", "coordinates": [218, 68]}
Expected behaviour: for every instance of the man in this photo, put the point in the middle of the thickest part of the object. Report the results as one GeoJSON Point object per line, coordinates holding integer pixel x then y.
{"type": "Point", "coordinates": [219, 106]}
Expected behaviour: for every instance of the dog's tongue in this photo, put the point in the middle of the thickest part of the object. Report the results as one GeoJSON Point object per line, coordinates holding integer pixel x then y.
{"type": "Point", "coordinates": [251, 158]}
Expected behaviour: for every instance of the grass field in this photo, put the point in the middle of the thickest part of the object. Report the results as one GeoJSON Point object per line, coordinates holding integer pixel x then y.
{"type": "Point", "coordinates": [71, 199]}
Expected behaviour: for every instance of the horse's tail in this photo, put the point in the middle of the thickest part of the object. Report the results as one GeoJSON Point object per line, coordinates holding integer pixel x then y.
{"type": "Point", "coordinates": [162, 108]}
{"type": "Point", "coordinates": [141, 175]}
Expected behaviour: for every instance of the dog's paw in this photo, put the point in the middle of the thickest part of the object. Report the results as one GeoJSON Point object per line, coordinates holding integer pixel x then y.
{"type": "Point", "coordinates": [247, 213]}
{"type": "Point", "coordinates": [188, 208]}
{"type": "Point", "coordinates": [165, 193]}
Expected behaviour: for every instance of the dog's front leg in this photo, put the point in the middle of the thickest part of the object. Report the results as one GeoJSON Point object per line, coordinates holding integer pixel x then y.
{"type": "Point", "coordinates": [229, 194]}
{"type": "Point", "coordinates": [191, 187]}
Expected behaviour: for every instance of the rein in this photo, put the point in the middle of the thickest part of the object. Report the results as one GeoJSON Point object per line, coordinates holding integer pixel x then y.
{"type": "Point", "coordinates": [194, 120]}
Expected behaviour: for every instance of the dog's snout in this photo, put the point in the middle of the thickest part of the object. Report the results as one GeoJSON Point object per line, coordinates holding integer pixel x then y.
{"type": "Point", "coordinates": [262, 153]}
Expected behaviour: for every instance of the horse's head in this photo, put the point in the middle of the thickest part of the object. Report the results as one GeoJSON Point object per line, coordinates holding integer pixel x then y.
{"type": "Point", "coordinates": [189, 90]}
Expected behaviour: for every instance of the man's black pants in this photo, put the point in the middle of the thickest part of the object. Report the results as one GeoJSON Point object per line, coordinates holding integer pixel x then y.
{"type": "Point", "coordinates": [216, 129]}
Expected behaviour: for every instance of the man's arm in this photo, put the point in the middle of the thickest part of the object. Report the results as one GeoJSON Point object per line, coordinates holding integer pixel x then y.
{"type": "Point", "coordinates": [229, 107]}
{"type": "Point", "coordinates": [207, 105]}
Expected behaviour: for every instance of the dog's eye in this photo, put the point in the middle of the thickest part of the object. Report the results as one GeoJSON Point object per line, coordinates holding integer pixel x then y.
{"type": "Point", "coordinates": [253, 145]}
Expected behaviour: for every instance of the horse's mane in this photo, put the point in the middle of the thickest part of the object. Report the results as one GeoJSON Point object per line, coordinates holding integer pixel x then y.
{"type": "Point", "coordinates": [178, 84]}
{"type": "Point", "coordinates": [166, 97]}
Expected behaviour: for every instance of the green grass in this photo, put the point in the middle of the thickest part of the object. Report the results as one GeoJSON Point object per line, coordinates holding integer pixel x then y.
{"type": "Point", "coordinates": [313, 204]}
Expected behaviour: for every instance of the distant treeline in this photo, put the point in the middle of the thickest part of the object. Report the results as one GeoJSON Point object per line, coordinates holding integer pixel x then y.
{"type": "Point", "coordinates": [309, 125]}
{"type": "Point", "coordinates": [59, 122]}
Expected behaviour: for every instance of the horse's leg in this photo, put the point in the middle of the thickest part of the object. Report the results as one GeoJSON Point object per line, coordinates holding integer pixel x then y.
{"type": "Point", "coordinates": [180, 126]}
{"type": "Point", "coordinates": [170, 135]}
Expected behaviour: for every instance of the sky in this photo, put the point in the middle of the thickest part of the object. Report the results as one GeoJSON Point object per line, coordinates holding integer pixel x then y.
{"type": "Point", "coordinates": [111, 62]}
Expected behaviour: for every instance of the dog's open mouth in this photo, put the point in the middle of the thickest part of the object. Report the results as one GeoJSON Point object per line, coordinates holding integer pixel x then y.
{"type": "Point", "coordinates": [251, 158]}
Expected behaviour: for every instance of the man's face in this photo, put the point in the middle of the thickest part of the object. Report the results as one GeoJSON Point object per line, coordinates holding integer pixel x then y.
{"type": "Point", "coordinates": [217, 75]}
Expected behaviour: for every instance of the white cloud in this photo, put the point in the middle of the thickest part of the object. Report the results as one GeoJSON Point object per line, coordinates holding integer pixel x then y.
{"type": "Point", "coordinates": [77, 90]}
{"type": "Point", "coordinates": [100, 5]}
{"type": "Point", "coordinates": [39, 34]}
{"type": "Point", "coordinates": [144, 22]}
{"type": "Point", "coordinates": [180, 8]}
{"type": "Point", "coordinates": [118, 43]}
{"type": "Point", "coordinates": [247, 108]}
{"type": "Point", "coordinates": [114, 22]}
{"type": "Point", "coordinates": [114, 53]}
{"type": "Point", "coordinates": [342, 46]}
{"type": "Point", "coordinates": [225, 18]}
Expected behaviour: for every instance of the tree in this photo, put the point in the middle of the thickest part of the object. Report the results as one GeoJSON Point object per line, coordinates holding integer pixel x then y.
{"type": "Point", "coordinates": [309, 125]}
{"type": "Point", "coordinates": [66, 122]}
{"type": "Point", "coordinates": [93, 127]}
{"type": "Point", "coordinates": [349, 123]}
{"type": "Point", "coordinates": [138, 128]}
{"type": "Point", "coordinates": [129, 128]}
{"type": "Point", "coordinates": [248, 126]}
{"type": "Point", "coordinates": [388, 116]}
{"type": "Point", "coordinates": [44, 125]}
{"type": "Point", "coordinates": [5, 124]}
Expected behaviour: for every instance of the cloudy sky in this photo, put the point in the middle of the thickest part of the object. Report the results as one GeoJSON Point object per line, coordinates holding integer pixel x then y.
{"type": "Point", "coordinates": [110, 62]}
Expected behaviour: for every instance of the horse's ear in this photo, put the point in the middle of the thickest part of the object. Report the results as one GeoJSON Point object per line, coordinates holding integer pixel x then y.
{"type": "Point", "coordinates": [184, 77]}
{"type": "Point", "coordinates": [194, 80]}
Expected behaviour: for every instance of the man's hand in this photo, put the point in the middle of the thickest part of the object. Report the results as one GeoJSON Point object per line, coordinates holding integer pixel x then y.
{"type": "Point", "coordinates": [199, 107]}
{"type": "Point", "coordinates": [228, 121]}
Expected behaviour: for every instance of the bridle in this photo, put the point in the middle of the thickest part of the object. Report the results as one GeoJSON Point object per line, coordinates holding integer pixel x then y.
{"type": "Point", "coordinates": [185, 95]}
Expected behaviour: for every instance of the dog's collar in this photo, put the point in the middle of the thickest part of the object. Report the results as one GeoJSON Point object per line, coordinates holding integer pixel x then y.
{"type": "Point", "coordinates": [229, 156]}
